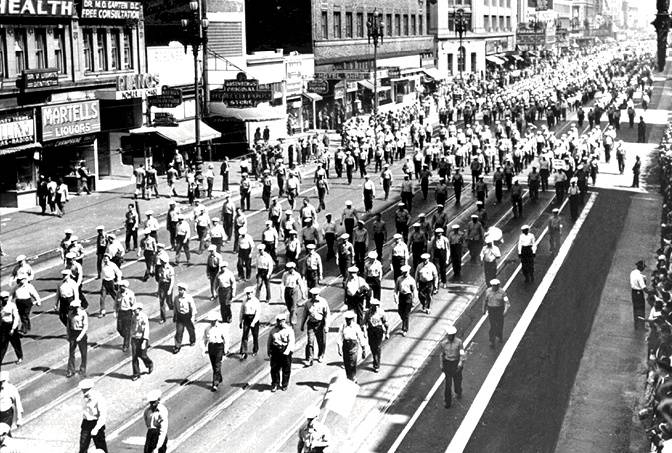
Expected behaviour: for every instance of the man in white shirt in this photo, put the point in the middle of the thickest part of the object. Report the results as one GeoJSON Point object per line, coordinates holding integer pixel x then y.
{"type": "Point", "coordinates": [93, 419]}
{"type": "Point", "coordinates": [638, 288]}
{"type": "Point", "coordinates": [11, 409]}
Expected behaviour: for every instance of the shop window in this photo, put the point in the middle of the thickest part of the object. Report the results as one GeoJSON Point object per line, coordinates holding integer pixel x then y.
{"type": "Point", "coordinates": [128, 48]}
{"type": "Point", "coordinates": [25, 172]}
{"type": "Point", "coordinates": [348, 25]}
{"type": "Point", "coordinates": [337, 25]}
{"type": "Point", "coordinates": [40, 48]}
{"type": "Point", "coordinates": [325, 25]}
{"type": "Point", "coordinates": [102, 49]}
{"type": "Point", "coordinates": [421, 25]}
{"type": "Point", "coordinates": [115, 50]}
{"type": "Point", "coordinates": [360, 25]}
{"type": "Point", "coordinates": [414, 26]}
{"type": "Point", "coordinates": [59, 50]}
{"type": "Point", "coordinates": [397, 25]}
{"type": "Point", "coordinates": [388, 24]}
{"type": "Point", "coordinates": [20, 49]}
{"type": "Point", "coordinates": [3, 54]}
{"type": "Point", "coordinates": [87, 35]}
{"type": "Point", "coordinates": [461, 57]}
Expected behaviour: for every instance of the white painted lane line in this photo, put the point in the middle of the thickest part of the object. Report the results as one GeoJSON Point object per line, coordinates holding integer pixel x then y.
{"type": "Point", "coordinates": [487, 390]}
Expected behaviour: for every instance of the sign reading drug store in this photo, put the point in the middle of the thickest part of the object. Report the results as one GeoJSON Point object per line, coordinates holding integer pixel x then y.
{"type": "Point", "coordinates": [68, 120]}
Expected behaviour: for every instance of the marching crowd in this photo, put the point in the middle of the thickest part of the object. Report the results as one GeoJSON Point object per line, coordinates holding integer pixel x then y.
{"type": "Point", "coordinates": [485, 129]}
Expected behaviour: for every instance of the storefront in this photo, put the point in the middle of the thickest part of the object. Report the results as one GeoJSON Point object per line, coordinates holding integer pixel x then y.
{"type": "Point", "coordinates": [19, 159]}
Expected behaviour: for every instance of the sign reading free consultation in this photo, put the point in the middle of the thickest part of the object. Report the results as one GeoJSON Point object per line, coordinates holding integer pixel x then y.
{"type": "Point", "coordinates": [110, 9]}
{"type": "Point", "coordinates": [68, 120]}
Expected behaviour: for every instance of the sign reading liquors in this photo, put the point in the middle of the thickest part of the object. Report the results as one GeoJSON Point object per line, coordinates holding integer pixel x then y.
{"type": "Point", "coordinates": [67, 120]}
{"type": "Point", "coordinates": [110, 9]}
{"type": "Point", "coordinates": [17, 128]}
{"type": "Point", "coordinates": [53, 8]}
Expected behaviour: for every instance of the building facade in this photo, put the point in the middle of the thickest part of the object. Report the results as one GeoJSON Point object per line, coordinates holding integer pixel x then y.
{"type": "Point", "coordinates": [55, 57]}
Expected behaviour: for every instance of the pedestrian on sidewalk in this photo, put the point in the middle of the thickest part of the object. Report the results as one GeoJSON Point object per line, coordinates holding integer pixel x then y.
{"type": "Point", "coordinates": [184, 315]}
{"type": "Point", "coordinates": [635, 172]}
{"type": "Point", "coordinates": [156, 421]}
{"type": "Point", "coordinates": [42, 194]}
{"type": "Point", "coordinates": [245, 191]}
{"type": "Point", "coordinates": [182, 237]}
{"type": "Point", "coordinates": [94, 417]}
{"type": "Point", "coordinates": [496, 304]}
{"type": "Point", "coordinates": [209, 175]}
{"type": "Point", "coordinates": [124, 313]}
{"type": "Point", "coordinates": [280, 348]}
{"type": "Point", "coordinates": [405, 293]}
{"type": "Point", "coordinates": [351, 341]}
{"type": "Point", "coordinates": [140, 188]}
{"type": "Point", "coordinates": [25, 296]}
{"type": "Point", "coordinates": [9, 328]}
{"type": "Point", "coordinates": [61, 197]}
{"type": "Point", "coordinates": [76, 331]}
{"type": "Point", "coordinates": [215, 344]}
{"type": "Point", "coordinates": [224, 172]}
{"type": "Point", "coordinates": [152, 178]}
{"type": "Point", "coordinates": [171, 178]}
{"type": "Point", "coordinates": [641, 130]}
{"type": "Point", "coordinates": [52, 186]}
{"type": "Point", "coordinates": [316, 319]}
{"type": "Point", "coordinates": [101, 246]}
{"type": "Point", "coordinates": [638, 290]}
{"type": "Point", "coordinates": [452, 363]}
{"type": "Point", "coordinates": [82, 178]}
{"type": "Point", "coordinates": [140, 341]}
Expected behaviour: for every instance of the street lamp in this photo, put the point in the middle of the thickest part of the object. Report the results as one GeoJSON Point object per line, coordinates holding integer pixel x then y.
{"type": "Point", "coordinates": [195, 35]}
{"type": "Point", "coordinates": [375, 30]}
{"type": "Point", "coordinates": [461, 27]}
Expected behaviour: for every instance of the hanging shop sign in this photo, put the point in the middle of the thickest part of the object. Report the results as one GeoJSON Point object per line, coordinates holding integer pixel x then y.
{"type": "Point", "coordinates": [339, 90]}
{"type": "Point", "coordinates": [241, 93]}
{"type": "Point", "coordinates": [17, 128]}
{"type": "Point", "coordinates": [39, 78]}
{"type": "Point", "coordinates": [130, 86]}
{"type": "Point", "coordinates": [67, 120]}
{"type": "Point", "coordinates": [496, 46]}
{"type": "Point", "coordinates": [318, 86]}
{"type": "Point", "coordinates": [110, 10]}
{"type": "Point", "coordinates": [169, 98]}
{"type": "Point", "coordinates": [351, 74]}
{"type": "Point", "coordinates": [51, 8]}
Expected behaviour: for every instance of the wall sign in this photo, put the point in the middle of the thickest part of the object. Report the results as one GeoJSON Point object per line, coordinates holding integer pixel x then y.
{"type": "Point", "coordinates": [67, 120]}
{"type": "Point", "coordinates": [131, 86]}
{"type": "Point", "coordinates": [57, 8]}
{"type": "Point", "coordinates": [110, 9]}
{"type": "Point", "coordinates": [17, 128]}
{"type": "Point", "coordinates": [241, 93]}
{"type": "Point", "coordinates": [39, 78]}
{"type": "Point", "coordinates": [319, 86]}
{"type": "Point", "coordinates": [169, 98]}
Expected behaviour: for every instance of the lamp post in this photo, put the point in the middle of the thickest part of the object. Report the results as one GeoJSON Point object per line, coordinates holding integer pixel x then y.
{"type": "Point", "coordinates": [461, 26]}
{"type": "Point", "coordinates": [375, 30]}
{"type": "Point", "coordinates": [662, 26]}
{"type": "Point", "coordinates": [536, 25]}
{"type": "Point", "coordinates": [195, 35]}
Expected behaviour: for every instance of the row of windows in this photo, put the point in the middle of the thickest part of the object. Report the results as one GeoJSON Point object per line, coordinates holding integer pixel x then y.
{"type": "Point", "coordinates": [491, 23]}
{"type": "Point", "coordinates": [15, 51]}
{"type": "Point", "coordinates": [500, 3]}
{"type": "Point", "coordinates": [461, 62]}
{"type": "Point", "coordinates": [355, 25]}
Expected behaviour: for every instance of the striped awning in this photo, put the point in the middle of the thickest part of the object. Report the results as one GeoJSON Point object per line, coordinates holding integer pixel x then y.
{"type": "Point", "coordinates": [19, 148]}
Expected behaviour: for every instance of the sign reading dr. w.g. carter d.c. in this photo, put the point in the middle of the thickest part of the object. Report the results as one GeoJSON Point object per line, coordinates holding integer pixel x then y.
{"type": "Point", "coordinates": [67, 120]}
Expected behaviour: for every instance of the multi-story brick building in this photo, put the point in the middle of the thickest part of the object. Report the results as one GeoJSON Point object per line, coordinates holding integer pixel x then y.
{"type": "Point", "coordinates": [71, 77]}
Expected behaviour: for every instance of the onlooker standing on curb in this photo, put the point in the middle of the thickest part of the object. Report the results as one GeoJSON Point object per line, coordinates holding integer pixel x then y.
{"type": "Point", "coordinates": [94, 417]}
{"type": "Point", "coordinates": [638, 287]}
{"type": "Point", "coordinates": [224, 171]}
{"type": "Point", "coordinates": [452, 362]}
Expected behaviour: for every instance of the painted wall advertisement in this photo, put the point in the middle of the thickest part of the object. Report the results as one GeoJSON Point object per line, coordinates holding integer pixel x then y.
{"type": "Point", "coordinates": [17, 128]}
{"type": "Point", "coordinates": [67, 120]}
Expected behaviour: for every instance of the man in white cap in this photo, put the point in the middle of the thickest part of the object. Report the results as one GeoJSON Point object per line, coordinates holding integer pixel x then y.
{"type": "Point", "coordinates": [489, 256]}
{"type": "Point", "coordinates": [184, 316]}
{"type": "Point", "coordinates": [156, 421]}
{"type": "Point", "coordinates": [65, 243]}
{"type": "Point", "coordinates": [165, 278]}
{"type": "Point", "coordinates": [438, 248]}
{"type": "Point", "coordinates": [376, 330]}
{"type": "Point", "coordinates": [110, 276]}
{"type": "Point", "coordinates": [452, 362]}
{"type": "Point", "coordinates": [152, 224]}
{"type": "Point", "coordinates": [310, 233]}
{"type": "Point", "coordinates": [379, 229]}
{"type": "Point", "coordinates": [225, 288]}
{"type": "Point", "coordinates": [554, 231]}
{"type": "Point", "coordinates": [313, 436]}
{"type": "Point", "coordinates": [373, 272]}
{"type": "Point", "coordinates": [140, 341]}
{"type": "Point", "coordinates": [215, 344]}
{"type": "Point", "coordinates": [245, 187]}
{"type": "Point", "coordinates": [475, 234]}
{"type": "Point", "coordinates": [124, 313]}
{"type": "Point", "coordinates": [398, 256]}
{"type": "Point", "coordinates": [357, 293]}
{"type": "Point", "coordinates": [265, 266]}
{"type": "Point", "coordinates": [527, 250]}
{"type": "Point", "coordinates": [245, 248]}
{"type": "Point", "coordinates": [11, 409]}
{"type": "Point", "coordinates": [427, 278]}
{"type": "Point", "coordinates": [405, 292]}
{"type": "Point", "coordinates": [349, 218]}
{"type": "Point", "coordinates": [574, 194]}
{"type": "Point", "coordinates": [292, 289]}
{"type": "Point", "coordinates": [94, 417]}
{"type": "Point", "coordinates": [314, 270]}
{"type": "Point", "coordinates": [248, 321]}
{"type": "Point", "coordinates": [77, 329]}
{"type": "Point", "coordinates": [182, 237]}
{"type": "Point", "coordinates": [148, 249]}
{"type": "Point", "coordinates": [456, 241]}
{"type": "Point", "coordinates": [316, 318]}
{"type": "Point", "coordinates": [202, 223]}
{"type": "Point", "coordinates": [402, 218]}
{"type": "Point", "coordinates": [351, 341]}
{"type": "Point", "coordinates": [345, 255]}
{"type": "Point", "coordinates": [217, 234]}
{"type": "Point", "coordinates": [280, 348]}
{"type": "Point", "coordinates": [270, 239]}
{"type": "Point", "coordinates": [101, 246]}
{"type": "Point", "coordinates": [22, 269]}
{"type": "Point", "coordinates": [212, 265]}
{"type": "Point", "coordinates": [517, 199]}
{"type": "Point", "coordinates": [9, 327]}
{"type": "Point", "coordinates": [25, 296]}
{"type": "Point", "coordinates": [369, 193]}
{"type": "Point", "coordinates": [496, 304]}
{"type": "Point", "coordinates": [132, 223]}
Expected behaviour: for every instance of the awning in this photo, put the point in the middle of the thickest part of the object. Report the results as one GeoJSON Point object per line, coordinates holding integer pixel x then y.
{"type": "Point", "coordinates": [19, 148]}
{"type": "Point", "coordinates": [182, 134]}
{"type": "Point", "coordinates": [312, 96]}
{"type": "Point", "coordinates": [495, 60]}
{"type": "Point", "coordinates": [366, 84]}
{"type": "Point", "coordinates": [265, 113]}
{"type": "Point", "coordinates": [433, 73]}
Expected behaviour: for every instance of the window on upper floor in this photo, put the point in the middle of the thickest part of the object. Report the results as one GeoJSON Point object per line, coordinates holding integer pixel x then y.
{"type": "Point", "coordinates": [405, 24]}
{"type": "Point", "coordinates": [451, 21]}
{"type": "Point", "coordinates": [508, 3]}
{"type": "Point", "coordinates": [414, 25]}
{"type": "Point", "coordinates": [41, 48]}
{"type": "Point", "coordinates": [397, 25]}
{"type": "Point", "coordinates": [60, 50]}
{"type": "Point", "coordinates": [101, 40]}
{"type": "Point", "coordinates": [486, 23]}
{"type": "Point", "coordinates": [20, 49]}
{"type": "Point", "coordinates": [360, 25]}
{"type": "Point", "coordinates": [3, 54]}
{"type": "Point", "coordinates": [88, 45]}
{"type": "Point", "coordinates": [388, 24]}
{"type": "Point", "coordinates": [348, 25]}
{"type": "Point", "coordinates": [508, 23]}
{"type": "Point", "coordinates": [501, 23]}
{"type": "Point", "coordinates": [324, 24]}
{"type": "Point", "coordinates": [337, 25]}
{"type": "Point", "coordinates": [421, 22]}
{"type": "Point", "coordinates": [128, 48]}
{"type": "Point", "coordinates": [493, 21]}
{"type": "Point", "coordinates": [115, 49]}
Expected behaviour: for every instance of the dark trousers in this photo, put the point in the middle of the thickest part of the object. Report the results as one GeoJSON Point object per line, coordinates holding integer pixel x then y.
{"type": "Point", "coordinates": [350, 348]}
{"type": "Point", "coordinates": [316, 333]}
{"type": "Point", "coordinates": [131, 234]}
{"type": "Point", "coordinates": [397, 263]}
{"type": "Point", "coordinates": [441, 263]}
{"type": "Point", "coordinates": [244, 263]}
{"type": "Point", "coordinates": [85, 437]}
{"type": "Point", "coordinates": [225, 182]}
{"type": "Point", "coordinates": [456, 259]}
{"type": "Point", "coordinates": [517, 202]}
{"type": "Point", "coordinates": [6, 338]}
{"type": "Point", "coordinates": [496, 316]}
{"type": "Point", "coordinates": [425, 290]}
{"type": "Point", "coordinates": [263, 281]}
{"type": "Point", "coordinates": [379, 240]}
{"type": "Point", "coordinates": [124, 321]}
{"type": "Point", "coordinates": [490, 271]}
{"type": "Point", "coordinates": [349, 224]}
{"type": "Point", "coordinates": [245, 200]}
{"type": "Point", "coordinates": [24, 306]}
{"type": "Point", "coordinates": [216, 353]}
{"type": "Point", "coordinates": [330, 238]}
{"type": "Point", "coordinates": [375, 335]}
{"type": "Point", "coordinates": [574, 206]}
{"type": "Point", "coordinates": [280, 363]}
{"type": "Point", "coordinates": [183, 321]}
{"type": "Point", "coordinates": [172, 229]}
{"type": "Point", "coordinates": [150, 260]}
{"type": "Point", "coordinates": [225, 295]}
{"type": "Point", "coordinates": [165, 299]}
{"type": "Point", "coordinates": [374, 284]}
{"type": "Point", "coordinates": [638, 304]}
{"type": "Point", "coordinates": [404, 309]}
{"type": "Point", "coordinates": [247, 329]}
{"type": "Point", "coordinates": [290, 303]}
{"type": "Point", "coordinates": [152, 442]}
{"type": "Point", "coordinates": [63, 307]}
{"type": "Point", "coordinates": [312, 276]}
{"type": "Point", "coordinates": [181, 244]}
{"type": "Point", "coordinates": [139, 352]}
{"type": "Point", "coordinates": [453, 375]}
{"type": "Point", "coordinates": [83, 348]}
{"type": "Point", "coordinates": [360, 254]}
{"type": "Point", "coordinates": [527, 262]}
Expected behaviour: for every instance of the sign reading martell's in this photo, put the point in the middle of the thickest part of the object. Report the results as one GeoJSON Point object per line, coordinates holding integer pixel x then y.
{"type": "Point", "coordinates": [241, 93]}
{"type": "Point", "coordinates": [17, 128]}
{"type": "Point", "coordinates": [39, 78]}
{"type": "Point", "coordinates": [54, 8]}
{"type": "Point", "coordinates": [66, 120]}
{"type": "Point", "coordinates": [110, 9]}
